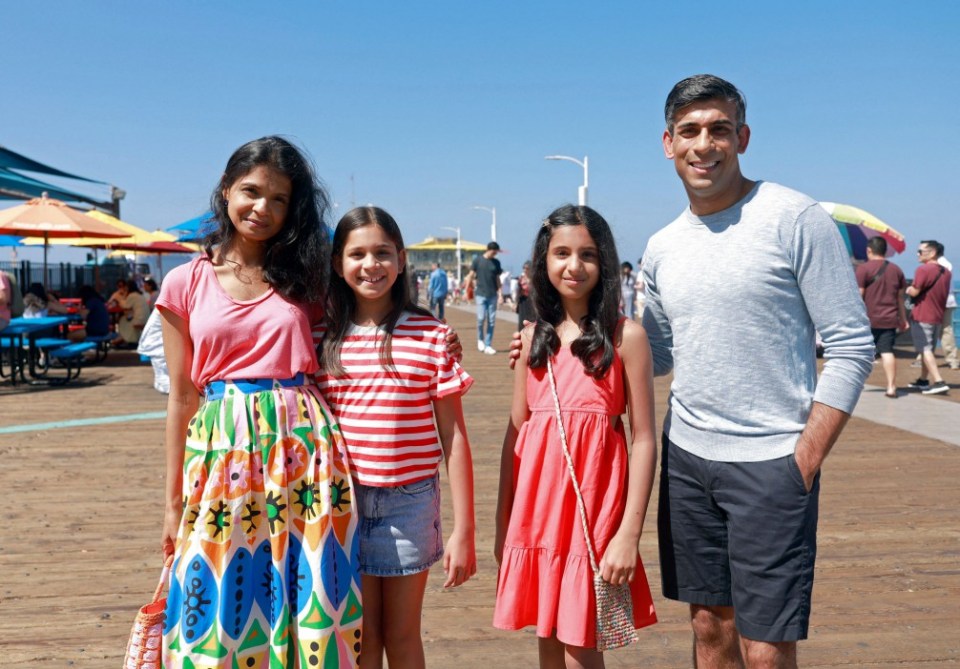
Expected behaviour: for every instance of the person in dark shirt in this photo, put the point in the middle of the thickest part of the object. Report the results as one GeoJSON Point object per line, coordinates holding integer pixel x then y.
{"type": "Point", "coordinates": [94, 311]}
{"type": "Point", "coordinates": [485, 272]}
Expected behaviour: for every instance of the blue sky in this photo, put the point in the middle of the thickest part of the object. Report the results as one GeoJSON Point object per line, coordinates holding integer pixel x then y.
{"type": "Point", "coordinates": [430, 108]}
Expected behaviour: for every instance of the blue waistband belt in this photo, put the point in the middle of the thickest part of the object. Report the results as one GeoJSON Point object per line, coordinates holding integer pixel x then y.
{"type": "Point", "coordinates": [216, 390]}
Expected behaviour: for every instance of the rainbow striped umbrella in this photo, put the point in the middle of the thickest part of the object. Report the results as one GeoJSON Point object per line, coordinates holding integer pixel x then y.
{"type": "Point", "coordinates": [857, 226]}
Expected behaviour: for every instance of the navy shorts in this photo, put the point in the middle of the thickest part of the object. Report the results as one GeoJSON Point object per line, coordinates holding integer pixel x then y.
{"type": "Point", "coordinates": [883, 339]}
{"type": "Point", "coordinates": [740, 534]}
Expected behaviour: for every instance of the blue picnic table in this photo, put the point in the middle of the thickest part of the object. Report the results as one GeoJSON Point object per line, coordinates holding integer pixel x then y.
{"type": "Point", "coordinates": [19, 342]}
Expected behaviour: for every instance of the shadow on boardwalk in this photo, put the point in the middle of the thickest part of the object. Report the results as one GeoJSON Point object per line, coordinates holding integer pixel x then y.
{"type": "Point", "coordinates": [82, 511]}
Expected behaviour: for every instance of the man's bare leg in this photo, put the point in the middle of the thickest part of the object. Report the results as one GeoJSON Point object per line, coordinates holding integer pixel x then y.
{"type": "Point", "coordinates": [889, 363]}
{"type": "Point", "coordinates": [716, 644]}
{"type": "Point", "coordinates": [930, 367]}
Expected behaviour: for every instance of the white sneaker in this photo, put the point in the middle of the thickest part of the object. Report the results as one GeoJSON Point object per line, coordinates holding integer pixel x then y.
{"type": "Point", "coordinates": [489, 350]}
{"type": "Point", "coordinates": [480, 345]}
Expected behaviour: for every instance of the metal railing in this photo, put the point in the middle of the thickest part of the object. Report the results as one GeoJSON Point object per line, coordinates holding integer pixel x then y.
{"type": "Point", "coordinates": [65, 279]}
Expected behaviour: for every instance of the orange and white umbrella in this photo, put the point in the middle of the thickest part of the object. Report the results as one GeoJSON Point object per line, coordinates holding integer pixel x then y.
{"type": "Point", "coordinates": [52, 219]}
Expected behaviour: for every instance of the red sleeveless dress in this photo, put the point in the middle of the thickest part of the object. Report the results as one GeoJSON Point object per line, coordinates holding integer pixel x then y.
{"type": "Point", "coordinates": [545, 578]}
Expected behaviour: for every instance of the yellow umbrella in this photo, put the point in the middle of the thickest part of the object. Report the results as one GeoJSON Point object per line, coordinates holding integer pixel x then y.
{"type": "Point", "coordinates": [434, 244]}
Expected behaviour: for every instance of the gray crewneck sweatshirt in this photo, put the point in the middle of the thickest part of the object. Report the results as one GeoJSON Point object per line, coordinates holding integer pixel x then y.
{"type": "Point", "coordinates": [733, 300]}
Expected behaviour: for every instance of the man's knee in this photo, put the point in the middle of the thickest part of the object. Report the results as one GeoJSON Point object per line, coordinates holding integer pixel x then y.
{"type": "Point", "coordinates": [764, 655]}
{"type": "Point", "coordinates": [713, 625]}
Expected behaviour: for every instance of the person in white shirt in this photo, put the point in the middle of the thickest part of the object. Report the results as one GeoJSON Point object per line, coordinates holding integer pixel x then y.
{"type": "Point", "coordinates": [947, 338]}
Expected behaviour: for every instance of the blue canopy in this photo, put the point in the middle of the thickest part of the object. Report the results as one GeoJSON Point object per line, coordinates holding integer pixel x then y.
{"type": "Point", "coordinates": [15, 186]}
{"type": "Point", "coordinates": [10, 240]}
{"type": "Point", "coordinates": [13, 160]}
{"type": "Point", "coordinates": [195, 228]}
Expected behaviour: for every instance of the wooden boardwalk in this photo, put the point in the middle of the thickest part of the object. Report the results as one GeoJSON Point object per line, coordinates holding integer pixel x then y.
{"type": "Point", "coordinates": [82, 511]}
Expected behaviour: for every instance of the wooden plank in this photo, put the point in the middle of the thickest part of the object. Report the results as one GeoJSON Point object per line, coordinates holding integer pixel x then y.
{"type": "Point", "coordinates": [83, 506]}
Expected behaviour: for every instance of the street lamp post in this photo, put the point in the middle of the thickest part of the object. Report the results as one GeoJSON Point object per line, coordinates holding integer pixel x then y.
{"type": "Point", "coordinates": [493, 225]}
{"type": "Point", "coordinates": [459, 258]}
{"type": "Point", "coordinates": [582, 191]}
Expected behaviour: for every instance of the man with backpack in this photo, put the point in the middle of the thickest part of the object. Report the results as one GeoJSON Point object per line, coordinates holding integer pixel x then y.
{"type": "Point", "coordinates": [882, 287]}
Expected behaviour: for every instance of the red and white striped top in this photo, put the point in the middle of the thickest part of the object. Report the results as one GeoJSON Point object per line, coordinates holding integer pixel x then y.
{"type": "Point", "coordinates": [387, 418]}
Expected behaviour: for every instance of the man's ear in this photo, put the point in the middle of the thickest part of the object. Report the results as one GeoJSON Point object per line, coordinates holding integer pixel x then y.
{"type": "Point", "coordinates": [743, 138]}
{"type": "Point", "coordinates": [667, 145]}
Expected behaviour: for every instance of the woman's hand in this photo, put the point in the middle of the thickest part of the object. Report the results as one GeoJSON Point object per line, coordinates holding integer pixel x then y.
{"type": "Point", "coordinates": [619, 562]}
{"type": "Point", "coordinates": [171, 525]}
{"type": "Point", "coordinates": [459, 559]}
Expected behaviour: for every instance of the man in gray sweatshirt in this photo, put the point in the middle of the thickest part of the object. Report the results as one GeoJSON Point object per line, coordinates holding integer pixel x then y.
{"type": "Point", "coordinates": [735, 288]}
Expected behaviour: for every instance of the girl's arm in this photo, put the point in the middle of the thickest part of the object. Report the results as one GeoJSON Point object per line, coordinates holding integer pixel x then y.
{"type": "Point", "coordinates": [460, 556]}
{"type": "Point", "coordinates": [619, 562]}
{"type": "Point", "coordinates": [519, 413]}
{"type": "Point", "coordinates": [181, 405]}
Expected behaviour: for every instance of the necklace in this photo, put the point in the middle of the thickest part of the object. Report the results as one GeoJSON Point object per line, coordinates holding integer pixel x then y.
{"type": "Point", "coordinates": [246, 275]}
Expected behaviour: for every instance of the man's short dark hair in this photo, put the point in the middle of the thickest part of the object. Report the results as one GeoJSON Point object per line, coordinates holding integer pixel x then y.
{"type": "Point", "coordinates": [878, 245]}
{"type": "Point", "coordinates": [935, 245]}
{"type": "Point", "coordinates": [493, 246]}
{"type": "Point", "coordinates": [703, 87]}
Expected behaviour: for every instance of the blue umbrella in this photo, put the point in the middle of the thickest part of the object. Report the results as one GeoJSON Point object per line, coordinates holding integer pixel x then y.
{"type": "Point", "coordinates": [10, 240]}
{"type": "Point", "coordinates": [195, 228]}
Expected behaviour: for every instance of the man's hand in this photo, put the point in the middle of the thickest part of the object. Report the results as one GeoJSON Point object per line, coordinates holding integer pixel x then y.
{"type": "Point", "coordinates": [453, 345]}
{"type": "Point", "coordinates": [516, 345]}
{"type": "Point", "coordinates": [819, 435]}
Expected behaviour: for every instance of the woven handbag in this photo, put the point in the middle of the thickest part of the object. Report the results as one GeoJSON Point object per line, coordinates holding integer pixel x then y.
{"type": "Point", "coordinates": [144, 650]}
{"type": "Point", "coordinates": [615, 627]}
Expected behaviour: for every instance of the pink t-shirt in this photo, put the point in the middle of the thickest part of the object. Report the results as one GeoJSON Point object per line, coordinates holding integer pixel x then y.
{"type": "Point", "coordinates": [5, 298]}
{"type": "Point", "coordinates": [265, 338]}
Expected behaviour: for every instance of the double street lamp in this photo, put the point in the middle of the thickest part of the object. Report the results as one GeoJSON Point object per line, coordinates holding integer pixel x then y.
{"type": "Point", "coordinates": [493, 225]}
{"type": "Point", "coordinates": [582, 191]}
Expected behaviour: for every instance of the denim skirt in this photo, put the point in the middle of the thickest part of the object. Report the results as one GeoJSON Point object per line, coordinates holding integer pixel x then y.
{"type": "Point", "coordinates": [400, 530]}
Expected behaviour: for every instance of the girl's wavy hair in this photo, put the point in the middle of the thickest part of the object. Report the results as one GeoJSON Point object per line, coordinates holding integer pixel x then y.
{"type": "Point", "coordinates": [297, 258]}
{"type": "Point", "coordinates": [595, 345]}
{"type": "Point", "coordinates": [341, 303]}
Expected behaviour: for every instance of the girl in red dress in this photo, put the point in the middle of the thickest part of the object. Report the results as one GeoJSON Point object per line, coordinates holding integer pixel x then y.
{"type": "Point", "coordinates": [602, 366]}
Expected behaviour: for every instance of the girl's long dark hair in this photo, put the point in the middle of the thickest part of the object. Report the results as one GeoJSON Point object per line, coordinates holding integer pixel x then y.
{"type": "Point", "coordinates": [297, 257]}
{"type": "Point", "coordinates": [341, 303]}
{"type": "Point", "coordinates": [595, 345]}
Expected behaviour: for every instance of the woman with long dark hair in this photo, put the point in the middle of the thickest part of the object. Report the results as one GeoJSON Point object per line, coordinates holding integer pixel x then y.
{"type": "Point", "coordinates": [260, 514]}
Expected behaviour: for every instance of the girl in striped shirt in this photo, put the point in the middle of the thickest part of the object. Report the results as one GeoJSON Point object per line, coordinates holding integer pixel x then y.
{"type": "Point", "coordinates": [388, 377]}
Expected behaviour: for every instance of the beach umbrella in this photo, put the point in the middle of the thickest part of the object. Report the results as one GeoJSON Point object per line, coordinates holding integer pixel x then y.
{"type": "Point", "coordinates": [52, 219]}
{"type": "Point", "coordinates": [858, 226]}
{"type": "Point", "coordinates": [137, 240]}
{"type": "Point", "coordinates": [10, 240]}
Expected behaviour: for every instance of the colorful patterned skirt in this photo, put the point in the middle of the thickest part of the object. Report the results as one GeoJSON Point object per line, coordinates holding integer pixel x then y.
{"type": "Point", "coordinates": [267, 556]}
